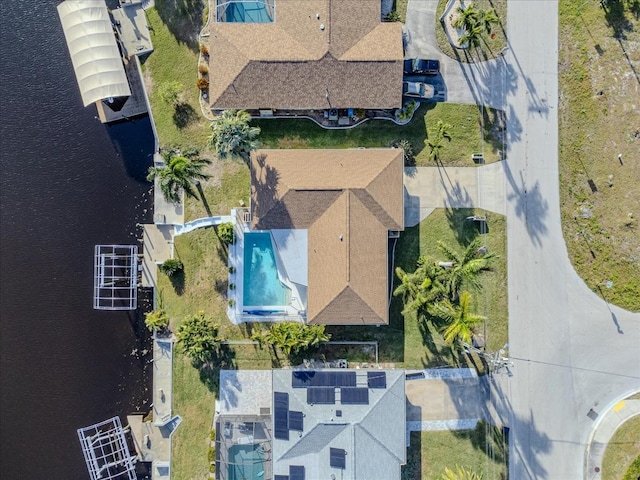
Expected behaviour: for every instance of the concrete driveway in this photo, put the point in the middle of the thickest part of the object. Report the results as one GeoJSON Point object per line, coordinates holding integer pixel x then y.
{"type": "Point", "coordinates": [428, 188]}
{"type": "Point", "coordinates": [483, 83]}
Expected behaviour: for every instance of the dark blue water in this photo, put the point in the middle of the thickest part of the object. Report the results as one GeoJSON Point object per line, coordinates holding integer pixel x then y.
{"type": "Point", "coordinates": [67, 183]}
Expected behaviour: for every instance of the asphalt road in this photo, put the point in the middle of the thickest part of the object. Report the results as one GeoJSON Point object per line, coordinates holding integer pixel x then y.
{"type": "Point", "coordinates": [574, 355]}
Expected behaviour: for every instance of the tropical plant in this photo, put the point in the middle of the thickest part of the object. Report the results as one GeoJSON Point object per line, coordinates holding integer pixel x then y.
{"type": "Point", "coordinates": [436, 143]}
{"type": "Point", "coordinates": [393, 16]}
{"type": "Point", "coordinates": [407, 150]}
{"type": "Point", "coordinates": [460, 474]}
{"type": "Point", "coordinates": [171, 267]}
{"type": "Point", "coordinates": [468, 17]}
{"type": "Point", "coordinates": [180, 173]}
{"type": "Point", "coordinates": [157, 319]}
{"type": "Point", "coordinates": [232, 136]}
{"type": "Point", "coordinates": [226, 233]}
{"type": "Point", "coordinates": [204, 49]}
{"type": "Point", "coordinates": [465, 267]}
{"type": "Point", "coordinates": [199, 338]}
{"type": "Point", "coordinates": [471, 37]}
{"type": "Point", "coordinates": [292, 337]}
{"type": "Point", "coordinates": [421, 288]}
{"type": "Point", "coordinates": [488, 19]}
{"type": "Point", "coordinates": [461, 322]}
{"type": "Point", "coordinates": [169, 92]}
{"type": "Point", "coordinates": [203, 69]}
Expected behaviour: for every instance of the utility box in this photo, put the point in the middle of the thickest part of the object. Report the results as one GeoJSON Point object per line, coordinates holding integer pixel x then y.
{"type": "Point", "coordinates": [478, 158]}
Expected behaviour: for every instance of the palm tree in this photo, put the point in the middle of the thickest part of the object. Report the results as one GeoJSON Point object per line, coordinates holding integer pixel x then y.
{"type": "Point", "coordinates": [468, 17]}
{"type": "Point", "coordinates": [488, 18]}
{"type": "Point", "coordinates": [233, 136]}
{"type": "Point", "coordinates": [421, 288]}
{"type": "Point", "coordinates": [471, 37]}
{"type": "Point", "coordinates": [466, 267]}
{"type": "Point", "coordinates": [460, 474]}
{"type": "Point", "coordinates": [435, 145]}
{"type": "Point", "coordinates": [180, 173]}
{"type": "Point", "coordinates": [461, 323]}
{"type": "Point", "coordinates": [200, 338]}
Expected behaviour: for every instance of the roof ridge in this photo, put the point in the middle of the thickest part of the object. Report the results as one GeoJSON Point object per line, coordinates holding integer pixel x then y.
{"type": "Point", "coordinates": [359, 424]}
{"type": "Point", "coordinates": [369, 434]}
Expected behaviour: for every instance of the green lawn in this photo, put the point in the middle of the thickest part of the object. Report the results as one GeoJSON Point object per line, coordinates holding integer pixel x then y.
{"type": "Point", "coordinates": [470, 132]}
{"type": "Point", "coordinates": [597, 121]}
{"type": "Point", "coordinates": [482, 450]}
{"type": "Point", "coordinates": [489, 47]}
{"type": "Point", "coordinates": [174, 59]}
{"type": "Point", "coordinates": [622, 451]}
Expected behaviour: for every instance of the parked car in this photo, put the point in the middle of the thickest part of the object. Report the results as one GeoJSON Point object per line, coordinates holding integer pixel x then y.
{"type": "Point", "coordinates": [419, 66]}
{"type": "Point", "coordinates": [418, 90]}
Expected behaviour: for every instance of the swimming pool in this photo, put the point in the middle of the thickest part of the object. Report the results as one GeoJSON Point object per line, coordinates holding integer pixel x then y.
{"type": "Point", "coordinates": [244, 11]}
{"type": "Point", "coordinates": [261, 285]}
{"type": "Point", "coordinates": [246, 462]}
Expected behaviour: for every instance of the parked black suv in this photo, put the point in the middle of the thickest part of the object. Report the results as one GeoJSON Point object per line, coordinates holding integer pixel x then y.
{"type": "Point", "coordinates": [419, 66]}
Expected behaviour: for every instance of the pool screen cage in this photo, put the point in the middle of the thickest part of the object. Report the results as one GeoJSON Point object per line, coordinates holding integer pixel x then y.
{"type": "Point", "coordinates": [243, 447]}
{"type": "Point", "coordinates": [245, 11]}
{"type": "Point", "coordinates": [106, 451]}
{"type": "Point", "coordinates": [115, 282]}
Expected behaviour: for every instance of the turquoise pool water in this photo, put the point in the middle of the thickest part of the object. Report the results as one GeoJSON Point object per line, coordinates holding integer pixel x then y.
{"type": "Point", "coordinates": [247, 12]}
{"type": "Point", "coordinates": [246, 462]}
{"type": "Point", "coordinates": [262, 287]}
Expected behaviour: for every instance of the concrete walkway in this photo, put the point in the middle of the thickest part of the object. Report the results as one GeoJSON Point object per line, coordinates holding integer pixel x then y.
{"type": "Point", "coordinates": [475, 83]}
{"type": "Point", "coordinates": [603, 432]}
{"type": "Point", "coordinates": [428, 188]}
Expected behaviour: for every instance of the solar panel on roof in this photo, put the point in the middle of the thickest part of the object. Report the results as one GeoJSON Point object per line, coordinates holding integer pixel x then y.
{"type": "Point", "coordinates": [296, 472]}
{"type": "Point", "coordinates": [354, 396]}
{"type": "Point", "coordinates": [281, 415]}
{"type": "Point", "coordinates": [337, 458]}
{"type": "Point", "coordinates": [321, 395]}
{"type": "Point", "coordinates": [304, 379]}
{"type": "Point", "coordinates": [296, 421]}
{"type": "Point", "coordinates": [377, 379]}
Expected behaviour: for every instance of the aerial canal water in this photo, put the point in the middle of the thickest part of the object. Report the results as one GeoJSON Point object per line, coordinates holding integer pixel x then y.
{"type": "Point", "coordinates": [67, 183]}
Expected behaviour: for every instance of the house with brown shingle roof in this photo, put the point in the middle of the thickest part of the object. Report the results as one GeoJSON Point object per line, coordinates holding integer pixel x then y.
{"type": "Point", "coordinates": [347, 201]}
{"type": "Point", "coordinates": [314, 55]}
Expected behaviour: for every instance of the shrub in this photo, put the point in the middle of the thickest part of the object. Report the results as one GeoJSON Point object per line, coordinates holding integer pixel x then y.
{"type": "Point", "coordinates": [232, 269]}
{"type": "Point", "coordinates": [172, 267]}
{"type": "Point", "coordinates": [232, 286]}
{"type": "Point", "coordinates": [170, 91]}
{"type": "Point", "coordinates": [199, 338]}
{"type": "Point", "coordinates": [212, 454]}
{"type": "Point", "coordinates": [202, 83]}
{"type": "Point", "coordinates": [231, 302]}
{"type": "Point", "coordinates": [156, 319]}
{"type": "Point", "coordinates": [409, 156]}
{"type": "Point", "coordinates": [204, 49]}
{"type": "Point", "coordinates": [393, 16]}
{"type": "Point", "coordinates": [203, 69]}
{"type": "Point", "coordinates": [212, 435]}
{"type": "Point", "coordinates": [226, 234]}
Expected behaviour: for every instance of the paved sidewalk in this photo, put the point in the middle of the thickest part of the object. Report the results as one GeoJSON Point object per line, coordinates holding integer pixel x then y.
{"type": "Point", "coordinates": [428, 188]}
{"type": "Point", "coordinates": [603, 432]}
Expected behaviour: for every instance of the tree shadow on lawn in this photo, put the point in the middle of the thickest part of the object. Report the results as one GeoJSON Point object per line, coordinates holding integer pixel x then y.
{"type": "Point", "coordinates": [177, 282]}
{"type": "Point", "coordinates": [441, 354]}
{"type": "Point", "coordinates": [616, 17]}
{"type": "Point", "coordinates": [465, 230]}
{"type": "Point", "coordinates": [224, 359]}
{"type": "Point", "coordinates": [183, 18]}
{"type": "Point", "coordinates": [183, 115]}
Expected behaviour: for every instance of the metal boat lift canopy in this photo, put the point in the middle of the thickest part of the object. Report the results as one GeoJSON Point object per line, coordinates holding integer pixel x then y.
{"type": "Point", "coordinates": [115, 281]}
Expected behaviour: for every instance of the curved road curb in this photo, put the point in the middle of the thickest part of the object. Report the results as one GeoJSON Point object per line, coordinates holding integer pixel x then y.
{"type": "Point", "coordinates": [603, 431]}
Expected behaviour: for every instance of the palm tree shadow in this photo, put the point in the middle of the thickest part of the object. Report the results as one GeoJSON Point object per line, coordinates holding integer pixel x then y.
{"type": "Point", "coordinates": [530, 205]}
{"type": "Point", "coordinates": [465, 230]}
